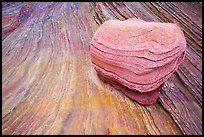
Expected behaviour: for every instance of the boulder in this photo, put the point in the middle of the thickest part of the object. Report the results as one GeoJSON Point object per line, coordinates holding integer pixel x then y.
{"type": "Point", "coordinates": [136, 56]}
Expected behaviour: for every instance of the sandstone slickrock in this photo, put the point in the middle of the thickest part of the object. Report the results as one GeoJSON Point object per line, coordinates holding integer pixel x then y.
{"type": "Point", "coordinates": [49, 86]}
{"type": "Point", "coordinates": [136, 56]}
{"type": "Point", "coordinates": [13, 14]}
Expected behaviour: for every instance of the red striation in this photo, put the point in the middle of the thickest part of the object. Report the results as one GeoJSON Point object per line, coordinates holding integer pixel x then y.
{"type": "Point", "coordinates": [14, 14]}
{"type": "Point", "coordinates": [136, 56]}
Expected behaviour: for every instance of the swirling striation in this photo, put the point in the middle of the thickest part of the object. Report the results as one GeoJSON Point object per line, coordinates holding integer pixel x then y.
{"type": "Point", "coordinates": [49, 86]}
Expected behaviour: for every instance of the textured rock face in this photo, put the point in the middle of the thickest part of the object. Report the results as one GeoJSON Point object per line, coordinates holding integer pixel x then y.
{"type": "Point", "coordinates": [14, 14]}
{"type": "Point", "coordinates": [136, 56]}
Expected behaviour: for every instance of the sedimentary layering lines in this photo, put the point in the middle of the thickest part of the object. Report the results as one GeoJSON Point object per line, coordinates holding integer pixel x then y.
{"type": "Point", "coordinates": [50, 87]}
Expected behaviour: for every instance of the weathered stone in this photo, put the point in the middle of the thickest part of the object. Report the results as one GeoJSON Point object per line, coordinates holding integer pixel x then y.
{"type": "Point", "coordinates": [137, 56]}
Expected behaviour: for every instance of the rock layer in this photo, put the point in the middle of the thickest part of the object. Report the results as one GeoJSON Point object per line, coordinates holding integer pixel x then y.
{"type": "Point", "coordinates": [43, 93]}
{"type": "Point", "coordinates": [14, 14]}
{"type": "Point", "coordinates": [136, 56]}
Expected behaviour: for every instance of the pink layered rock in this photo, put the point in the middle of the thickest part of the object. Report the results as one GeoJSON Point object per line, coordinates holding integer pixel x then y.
{"type": "Point", "coordinates": [136, 56]}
